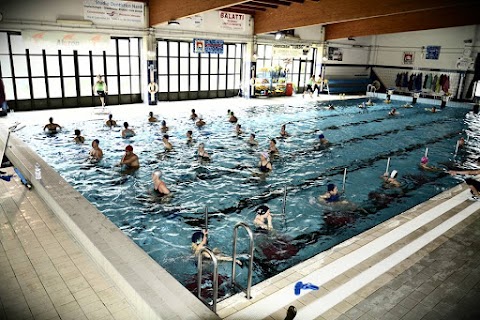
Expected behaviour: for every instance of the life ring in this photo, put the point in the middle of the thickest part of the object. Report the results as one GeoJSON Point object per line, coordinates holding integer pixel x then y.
{"type": "Point", "coordinates": [152, 87]}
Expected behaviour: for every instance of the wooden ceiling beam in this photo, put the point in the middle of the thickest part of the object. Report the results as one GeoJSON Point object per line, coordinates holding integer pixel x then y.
{"type": "Point", "coordinates": [259, 5]}
{"type": "Point", "coordinates": [246, 7]}
{"type": "Point", "coordinates": [277, 2]}
{"type": "Point", "coordinates": [244, 11]}
{"type": "Point", "coordinates": [161, 11]}
{"type": "Point", "coordinates": [334, 11]}
{"type": "Point", "coordinates": [413, 21]}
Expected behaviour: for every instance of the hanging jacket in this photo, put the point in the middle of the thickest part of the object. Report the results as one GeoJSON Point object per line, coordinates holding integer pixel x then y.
{"type": "Point", "coordinates": [405, 80]}
{"type": "Point", "coordinates": [425, 82]}
{"type": "Point", "coordinates": [437, 85]}
{"type": "Point", "coordinates": [434, 82]}
{"type": "Point", "coordinates": [428, 84]}
{"type": "Point", "coordinates": [411, 82]}
{"type": "Point", "coordinates": [446, 84]}
{"type": "Point", "coordinates": [398, 80]}
{"type": "Point", "coordinates": [418, 82]}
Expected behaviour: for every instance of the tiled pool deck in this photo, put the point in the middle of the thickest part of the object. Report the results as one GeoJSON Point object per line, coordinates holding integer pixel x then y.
{"type": "Point", "coordinates": [422, 264]}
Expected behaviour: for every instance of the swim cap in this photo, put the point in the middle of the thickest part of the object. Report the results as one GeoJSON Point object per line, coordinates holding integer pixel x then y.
{"type": "Point", "coordinates": [129, 148]}
{"type": "Point", "coordinates": [157, 174]}
{"type": "Point", "coordinates": [321, 136]}
{"type": "Point", "coordinates": [393, 174]}
{"type": "Point", "coordinates": [197, 237]}
{"type": "Point", "coordinates": [424, 160]}
{"type": "Point", "coordinates": [265, 155]}
{"type": "Point", "coordinates": [262, 209]}
{"type": "Point", "coordinates": [330, 187]}
{"type": "Point", "coordinates": [201, 145]}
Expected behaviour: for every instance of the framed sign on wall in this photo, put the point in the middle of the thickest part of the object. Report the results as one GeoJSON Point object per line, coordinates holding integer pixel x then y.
{"type": "Point", "coordinates": [433, 52]}
{"type": "Point", "coordinates": [408, 57]}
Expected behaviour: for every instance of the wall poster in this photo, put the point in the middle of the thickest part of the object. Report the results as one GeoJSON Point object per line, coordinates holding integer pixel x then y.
{"type": "Point", "coordinates": [335, 54]}
{"type": "Point", "coordinates": [433, 52]}
{"type": "Point", "coordinates": [408, 57]}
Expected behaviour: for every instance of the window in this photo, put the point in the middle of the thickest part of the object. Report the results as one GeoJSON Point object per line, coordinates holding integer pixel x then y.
{"type": "Point", "coordinates": [179, 68]}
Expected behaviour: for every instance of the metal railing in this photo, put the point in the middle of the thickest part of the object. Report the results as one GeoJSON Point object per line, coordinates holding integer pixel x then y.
{"type": "Point", "coordinates": [215, 277]}
{"type": "Point", "coordinates": [234, 256]}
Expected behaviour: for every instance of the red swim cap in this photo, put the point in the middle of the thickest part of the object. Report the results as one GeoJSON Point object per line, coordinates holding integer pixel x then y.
{"type": "Point", "coordinates": [129, 148]}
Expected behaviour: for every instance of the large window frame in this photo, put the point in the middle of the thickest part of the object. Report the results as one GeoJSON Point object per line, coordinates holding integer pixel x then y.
{"type": "Point", "coordinates": [183, 74]}
{"type": "Point", "coordinates": [299, 69]}
{"type": "Point", "coordinates": [49, 78]}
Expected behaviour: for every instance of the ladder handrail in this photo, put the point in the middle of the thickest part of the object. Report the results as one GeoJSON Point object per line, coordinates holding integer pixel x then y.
{"type": "Point", "coordinates": [234, 256]}
{"type": "Point", "coordinates": [215, 277]}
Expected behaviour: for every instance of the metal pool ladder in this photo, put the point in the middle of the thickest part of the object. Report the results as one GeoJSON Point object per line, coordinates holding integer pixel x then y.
{"type": "Point", "coordinates": [250, 263]}
{"type": "Point", "coordinates": [215, 277]}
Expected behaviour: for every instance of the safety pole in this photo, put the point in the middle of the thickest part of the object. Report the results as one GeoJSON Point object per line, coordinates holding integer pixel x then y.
{"type": "Point", "coordinates": [206, 218]}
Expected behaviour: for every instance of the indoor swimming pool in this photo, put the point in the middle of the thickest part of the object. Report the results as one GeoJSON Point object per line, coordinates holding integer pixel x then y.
{"type": "Point", "coordinates": [232, 187]}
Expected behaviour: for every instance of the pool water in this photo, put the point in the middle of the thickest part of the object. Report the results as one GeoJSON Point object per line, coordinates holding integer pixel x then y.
{"type": "Point", "coordinates": [232, 188]}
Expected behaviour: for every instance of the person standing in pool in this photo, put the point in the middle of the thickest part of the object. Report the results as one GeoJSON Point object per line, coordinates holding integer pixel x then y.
{"type": "Point", "coordinates": [189, 137]}
{"type": "Point", "coordinates": [200, 123]}
{"type": "Point", "coordinates": [331, 196]}
{"type": "Point", "coordinates": [201, 153]}
{"type": "Point", "coordinates": [130, 159]}
{"type": "Point", "coordinates": [158, 185]}
{"type": "Point", "coordinates": [78, 138]}
{"type": "Point", "coordinates": [164, 127]}
{"type": "Point", "coordinates": [283, 131]}
{"type": "Point", "coordinates": [193, 116]}
{"type": "Point", "coordinates": [238, 129]}
{"type": "Point", "coordinates": [100, 87]}
{"type": "Point", "coordinates": [264, 165]}
{"type": "Point", "coordinates": [200, 240]}
{"type": "Point", "coordinates": [52, 126]}
{"type": "Point", "coordinates": [110, 122]}
{"type": "Point", "coordinates": [263, 219]}
{"type": "Point", "coordinates": [252, 140]}
{"type": "Point", "coordinates": [127, 132]}
{"type": "Point", "coordinates": [232, 118]}
{"type": "Point", "coordinates": [322, 141]}
{"type": "Point", "coordinates": [273, 147]}
{"type": "Point", "coordinates": [151, 118]}
{"type": "Point", "coordinates": [96, 153]}
{"type": "Point", "coordinates": [168, 146]}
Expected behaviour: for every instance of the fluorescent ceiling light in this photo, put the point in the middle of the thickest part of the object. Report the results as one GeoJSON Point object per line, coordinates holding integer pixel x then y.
{"type": "Point", "coordinates": [278, 36]}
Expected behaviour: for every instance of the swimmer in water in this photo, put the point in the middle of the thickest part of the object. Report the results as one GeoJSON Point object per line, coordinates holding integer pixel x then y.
{"type": "Point", "coordinates": [201, 153]}
{"type": "Point", "coordinates": [263, 219]}
{"type": "Point", "coordinates": [232, 118]}
{"type": "Point", "coordinates": [331, 195]}
{"type": "Point", "coordinates": [51, 126]}
{"type": "Point", "coordinates": [393, 112]}
{"type": "Point", "coordinates": [110, 122]}
{"type": "Point", "coordinates": [461, 143]}
{"type": "Point", "coordinates": [127, 132]}
{"type": "Point", "coordinates": [432, 109]}
{"type": "Point", "coordinates": [264, 165]}
{"type": "Point", "coordinates": [130, 159]}
{"type": "Point", "coordinates": [391, 181]}
{"type": "Point", "coordinates": [330, 107]}
{"type": "Point", "coordinates": [78, 138]}
{"type": "Point", "coordinates": [283, 131]}
{"type": "Point", "coordinates": [193, 116]}
{"type": "Point", "coordinates": [200, 123]}
{"type": "Point", "coordinates": [164, 127]}
{"type": "Point", "coordinates": [151, 118]}
{"type": "Point", "coordinates": [252, 140]}
{"type": "Point", "coordinates": [369, 103]}
{"type": "Point", "coordinates": [407, 105]}
{"type": "Point", "coordinates": [158, 185]}
{"type": "Point", "coordinates": [273, 147]}
{"type": "Point", "coordinates": [238, 129]}
{"type": "Point", "coordinates": [425, 166]}
{"type": "Point", "coordinates": [96, 153]}
{"type": "Point", "coordinates": [199, 241]}
{"type": "Point", "coordinates": [168, 146]}
{"type": "Point", "coordinates": [189, 137]}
